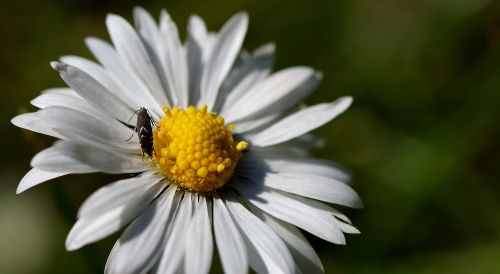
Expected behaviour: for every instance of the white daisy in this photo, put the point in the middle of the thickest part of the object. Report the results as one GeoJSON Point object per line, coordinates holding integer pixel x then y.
{"type": "Point", "coordinates": [247, 177]}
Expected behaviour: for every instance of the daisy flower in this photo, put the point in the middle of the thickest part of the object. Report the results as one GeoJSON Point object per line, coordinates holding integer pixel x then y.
{"type": "Point", "coordinates": [224, 152]}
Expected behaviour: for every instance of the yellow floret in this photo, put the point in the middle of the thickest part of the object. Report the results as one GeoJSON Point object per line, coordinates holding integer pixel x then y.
{"type": "Point", "coordinates": [195, 149]}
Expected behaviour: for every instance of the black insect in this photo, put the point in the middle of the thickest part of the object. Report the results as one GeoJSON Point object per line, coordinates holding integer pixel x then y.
{"type": "Point", "coordinates": [144, 130]}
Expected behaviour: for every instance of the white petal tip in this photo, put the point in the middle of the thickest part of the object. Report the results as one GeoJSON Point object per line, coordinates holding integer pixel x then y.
{"type": "Point", "coordinates": [196, 22]}
{"type": "Point", "coordinates": [355, 201]}
{"type": "Point", "coordinates": [58, 66]}
{"type": "Point", "coordinates": [271, 47]}
{"type": "Point", "coordinates": [164, 15]}
{"type": "Point", "coordinates": [195, 18]}
{"type": "Point", "coordinates": [340, 240]}
{"type": "Point", "coordinates": [16, 121]}
{"type": "Point", "coordinates": [302, 71]}
{"type": "Point", "coordinates": [346, 100]}
{"type": "Point", "coordinates": [242, 15]}
{"type": "Point", "coordinates": [68, 247]}
{"type": "Point", "coordinates": [71, 244]}
{"type": "Point", "coordinates": [90, 40]}
{"type": "Point", "coordinates": [24, 185]}
{"type": "Point", "coordinates": [265, 50]}
{"type": "Point", "coordinates": [20, 189]}
{"type": "Point", "coordinates": [139, 9]}
{"type": "Point", "coordinates": [240, 19]}
{"type": "Point", "coordinates": [72, 247]}
{"type": "Point", "coordinates": [355, 231]}
{"type": "Point", "coordinates": [359, 205]}
{"type": "Point", "coordinates": [112, 18]}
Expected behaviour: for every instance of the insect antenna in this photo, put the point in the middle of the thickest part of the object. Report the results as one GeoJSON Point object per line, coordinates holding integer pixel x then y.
{"type": "Point", "coordinates": [133, 114]}
{"type": "Point", "coordinates": [135, 127]}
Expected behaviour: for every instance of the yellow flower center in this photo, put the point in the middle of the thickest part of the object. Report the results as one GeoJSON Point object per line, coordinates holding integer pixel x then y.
{"type": "Point", "coordinates": [194, 148]}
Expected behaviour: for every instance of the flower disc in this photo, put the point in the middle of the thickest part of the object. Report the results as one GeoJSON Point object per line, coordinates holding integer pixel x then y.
{"type": "Point", "coordinates": [195, 149]}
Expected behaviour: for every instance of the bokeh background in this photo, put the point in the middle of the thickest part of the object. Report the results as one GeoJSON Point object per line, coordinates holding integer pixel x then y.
{"type": "Point", "coordinates": [422, 138]}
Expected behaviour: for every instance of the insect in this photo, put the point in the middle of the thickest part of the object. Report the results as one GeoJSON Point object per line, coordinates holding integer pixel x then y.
{"type": "Point", "coordinates": [144, 130]}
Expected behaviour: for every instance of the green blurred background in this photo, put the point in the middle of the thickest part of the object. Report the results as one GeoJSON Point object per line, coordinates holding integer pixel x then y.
{"type": "Point", "coordinates": [422, 138]}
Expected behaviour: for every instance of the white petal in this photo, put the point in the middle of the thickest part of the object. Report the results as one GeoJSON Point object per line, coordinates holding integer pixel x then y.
{"type": "Point", "coordinates": [64, 99]}
{"type": "Point", "coordinates": [65, 155]}
{"type": "Point", "coordinates": [61, 90]}
{"type": "Point", "coordinates": [300, 122]}
{"type": "Point", "coordinates": [140, 244]}
{"type": "Point", "coordinates": [78, 126]}
{"type": "Point", "coordinates": [35, 177]}
{"type": "Point", "coordinates": [102, 76]}
{"type": "Point", "coordinates": [156, 44]}
{"type": "Point", "coordinates": [340, 220]}
{"type": "Point", "coordinates": [301, 250]}
{"type": "Point", "coordinates": [116, 211]}
{"type": "Point", "coordinates": [66, 116]}
{"type": "Point", "coordinates": [230, 244]}
{"type": "Point", "coordinates": [93, 92]}
{"type": "Point", "coordinates": [208, 45]}
{"type": "Point", "coordinates": [318, 206]}
{"type": "Point", "coordinates": [254, 69]}
{"type": "Point", "coordinates": [118, 193]}
{"type": "Point", "coordinates": [197, 29]}
{"type": "Point", "coordinates": [280, 151]}
{"type": "Point", "coordinates": [31, 121]}
{"type": "Point", "coordinates": [174, 60]}
{"type": "Point", "coordinates": [56, 95]}
{"type": "Point", "coordinates": [244, 126]}
{"type": "Point", "coordinates": [175, 242]}
{"type": "Point", "coordinates": [270, 247]}
{"type": "Point", "coordinates": [315, 204]}
{"type": "Point", "coordinates": [199, 245]}
{"type": "Point", "coordinates": [312, 186]}
{"type": "Point", "coordinates": [147, 29]}
{"type": "Point", "coordinates": [71, 100]}
{"type": "Point", "coordinates": [347, 228]}
{"type": "Point", "coordinates": [222, 57]}
{"type": "Point", "coordinates": [196, 36]}
{"type": "Point", "coordinates": [255, 260]}
{"type": "Point", "coordinates": [291, 210]}
{"type": "Point", "coordinates": [54, 160]}
{"type": "Point", "coordinates": [130, 47]}
{"type": "Point", "coordinates": [134, 86]}
{"type": "Point", "coordinates": [111, 257]}
{"type": "Point", "coordinates": [254, 161]}
{"type": "Point", "coordinates": [275, 94]}
{"type": "Point", "coordinates": [308, 141]}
